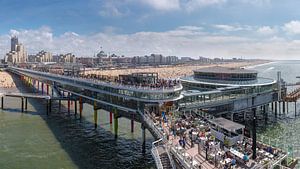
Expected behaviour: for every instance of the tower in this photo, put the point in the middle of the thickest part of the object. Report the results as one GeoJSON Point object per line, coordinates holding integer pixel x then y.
{"type": "Point", "coordinates": [14, 42]}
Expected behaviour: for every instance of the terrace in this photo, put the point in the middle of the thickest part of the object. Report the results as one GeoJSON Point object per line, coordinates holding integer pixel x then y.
{"type": "Point", "coordinates": [197, 142]}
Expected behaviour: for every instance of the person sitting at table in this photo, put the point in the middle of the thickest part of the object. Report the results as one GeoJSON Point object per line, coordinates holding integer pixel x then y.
{"type": "Point", "coordinates": [270, 150]}
{"type": "Point", "coordinates": [226, 166]}
{"type": "Point", "coordinates": [233, 162]}
{"type": "Point", "coordinates": [245, 158]}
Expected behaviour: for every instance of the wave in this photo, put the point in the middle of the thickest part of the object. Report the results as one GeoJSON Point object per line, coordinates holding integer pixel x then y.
{"type": "Point", "coordinates": [258, 65]}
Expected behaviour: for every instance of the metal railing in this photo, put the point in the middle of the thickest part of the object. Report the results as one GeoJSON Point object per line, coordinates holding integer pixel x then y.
{"type": "Point", "coordinates": [155, 154]}
{"type": "Point", "coordinates": [104, 83]}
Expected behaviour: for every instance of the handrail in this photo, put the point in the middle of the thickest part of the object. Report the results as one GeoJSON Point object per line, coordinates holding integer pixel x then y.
{"type": "Point", "coordinates": [170, 157]}
{"type": "Point", "coordinates": [156, 157]}
{"type": "Point", "coordinates": [107, 84]}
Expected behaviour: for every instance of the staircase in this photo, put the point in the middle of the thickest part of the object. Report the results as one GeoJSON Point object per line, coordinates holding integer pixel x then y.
{"type": "Point", "coordinates": [165, 161]}
{"type": "Point", "coordinates": [161, 156]}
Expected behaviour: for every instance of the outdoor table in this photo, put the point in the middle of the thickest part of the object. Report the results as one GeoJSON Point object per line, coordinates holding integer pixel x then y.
{"type": "Point", "coordinates": [212, 143]}
{"type": "Point", "coordinates": [236, 153]}
{"type": "Point", "coordinates": [221, 152]}
{"type": "Point", "coordinates": [261, 151]}
{"type": "Point", "coordinates": [203, 138]}
{"type": "Point", "coordinates": [194, 135]}
{"type": "Point", "coordinates": [266, 153]}
{"type": "Point", "coordinates": [195, 163]}
{"type": "Point", "coordinates": [223, 162]}
{"type": "Point", "coordinates": [270, 155]}
{"type": "Point", "coordinates": [228, 160]}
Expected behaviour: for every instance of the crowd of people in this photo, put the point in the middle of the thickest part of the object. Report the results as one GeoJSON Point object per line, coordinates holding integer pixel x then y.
{"type": "Point", "coordinates": [189, 131]}
{"type": "Point", "coordinates": [157, 84]}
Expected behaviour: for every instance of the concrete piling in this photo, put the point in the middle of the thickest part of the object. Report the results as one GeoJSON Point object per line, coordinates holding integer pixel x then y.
{"type": "Point", "coordinates": [95, 114]}
{"type": "Point", "coordinates": [132, 123]}
{"type": "Point", "coordinates": [26, 102]}
{"type": "Point", "coordinates": [116, 122]}
{"type": "Point", "coordinates": [22, 104]}
{"type": "Point", "coordinates": [110, 117]}
{"type": "Point", "coordinates": [80, 107]}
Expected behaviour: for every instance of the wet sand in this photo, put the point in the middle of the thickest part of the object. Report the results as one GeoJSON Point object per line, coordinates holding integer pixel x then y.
{"type": "Point", "coordinates": [171, 71]}
{"type": "Point", "coordinates": [6, 80]}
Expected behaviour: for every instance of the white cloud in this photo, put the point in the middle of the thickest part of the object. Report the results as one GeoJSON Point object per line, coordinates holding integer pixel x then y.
{"type": "Point", "coordinates": [292, 27]}
{"type": "Point", "coordinates": [228, 28]}
{"type": "Point", "coordinates": [117, 8]}
{"type": "Point", "coordinates": [257, 2]}
{"type": "Point", "coordinates": [112, 8]}
{"type": "Point", "coordinates": [192, 5]}
{"type": "Point", "coordinates": [163, 4]}
{"type": "Point", "coordinates": [266, 30]}
{"type": "Point", "coordinates": [182, 41]}
{"type": "Point", "coordinates": [232, 28]}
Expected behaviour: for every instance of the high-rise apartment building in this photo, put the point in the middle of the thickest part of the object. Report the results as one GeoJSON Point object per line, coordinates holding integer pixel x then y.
{"type": "Point", "coordinates": [17, 54]}
{"type": "Point", "coordinates": [14, 43]}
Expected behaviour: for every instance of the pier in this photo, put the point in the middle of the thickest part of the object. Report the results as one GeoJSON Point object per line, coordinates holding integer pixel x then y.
{"type": "Point", "coordinates": [211, 93]}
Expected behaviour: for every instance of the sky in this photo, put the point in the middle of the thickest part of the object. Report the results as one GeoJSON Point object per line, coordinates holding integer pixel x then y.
{"type": "Point", "coordinates": [265, 29]}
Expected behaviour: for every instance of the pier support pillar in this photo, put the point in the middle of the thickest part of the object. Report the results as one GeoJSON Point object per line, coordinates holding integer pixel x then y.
{"type": "Point", "coordinates": [68, 103]}
{"type": "Point", "coordinates": [80, 107]}
{"type": "Point", "coordinates": [295, 108]}
{"type": "Point", "coordinates": [2, 102]}
{"type": "Point", "coordinates": [110, 117]}
{"type": "Point", "coordinates": [116, 122]}
{"type": "Point", "coordinates": [26, 103]}
{"type": "Point", "coordinates": [132, 123]}
{"type": "Point", "coordinates": [22, 104]}
{"type": "Point", "coordinates": [143, 137]}
{"type": "Point", "coordinates": [42, 88]}
{"type": "Point", "coordinates": [59, 106]}
{"type": "Point", "coordinates": [272, 106]}
{"type": "Point", "coordinates": [279, 107]}
{"type": "Point", "coordinates": [283, 107]}
{"type": "Point", "coordinates": [275, 109]}
{"type": "Point", "coordinates": [47, 89]}
{"type": "Point", "coordinates": [75, 107]}
{"type": "Point", "coordinates": [265, 113]}
{"type": "Point", "coordinates": [287, 107]}
{"type": "Point", "coordinates": [38, 86]}
{"type": "Point", "coordinates": [95, 114]}
{"type": "Point", "coordinates": [47, 107]}
{"type": "Point", "coordinates": [50, 105]}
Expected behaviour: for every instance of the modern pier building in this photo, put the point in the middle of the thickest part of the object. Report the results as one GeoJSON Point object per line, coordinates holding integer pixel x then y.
{"type": "Point", "coordinates": [219, 90]}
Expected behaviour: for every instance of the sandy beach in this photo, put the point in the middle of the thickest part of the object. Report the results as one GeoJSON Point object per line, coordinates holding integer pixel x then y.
{"type": "Point", "coordinates": [6, 80]}
{"type": "Point", "coordinates": [172, 71]}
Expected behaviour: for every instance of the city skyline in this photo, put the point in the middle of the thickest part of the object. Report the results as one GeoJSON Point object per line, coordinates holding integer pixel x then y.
{"type": "Point", "coordinates": [265, 29]}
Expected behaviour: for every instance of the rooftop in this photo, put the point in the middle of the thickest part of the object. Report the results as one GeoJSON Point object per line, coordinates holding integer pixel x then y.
{"type": "Point", "coordinates": [227, 124]}
{"type": "Point", "coordinates": [258, 82]}
{"type": "Point", "coordinates": [225, 70]}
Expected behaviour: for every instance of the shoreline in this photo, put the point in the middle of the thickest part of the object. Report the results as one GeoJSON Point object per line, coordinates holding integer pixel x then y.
{"type": "Point", "coordinates": [6, 81]}
{"type": "Point", "coordinates": [173, 72]}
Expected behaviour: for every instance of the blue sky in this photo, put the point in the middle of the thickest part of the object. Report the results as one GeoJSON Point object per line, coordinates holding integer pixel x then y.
{"type": "Point", "coordinates": [213, 28]}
